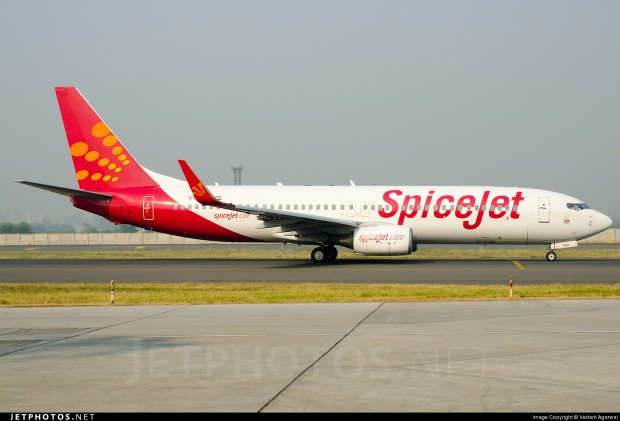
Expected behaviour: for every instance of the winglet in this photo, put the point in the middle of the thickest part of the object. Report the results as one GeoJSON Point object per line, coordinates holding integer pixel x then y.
{"type": "Point", "coordinates": [200, 191]}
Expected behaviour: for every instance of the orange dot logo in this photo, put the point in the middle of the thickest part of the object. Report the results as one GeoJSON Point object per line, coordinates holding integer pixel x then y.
{"type": "Point", "coordinates": [100, 129]}
{"type": "Point", "coordinates": [98, 157]}
{"type": "Point", "coordinates": [92, 156]}
{"type": "Point", "coordinates": [109, 141]}
{"type": "Point", "coordinates": [79, 148]}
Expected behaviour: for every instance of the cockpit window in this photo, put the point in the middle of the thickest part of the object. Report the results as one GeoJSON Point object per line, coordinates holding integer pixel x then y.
{"type": "Point", "coordinates": [577, 206]}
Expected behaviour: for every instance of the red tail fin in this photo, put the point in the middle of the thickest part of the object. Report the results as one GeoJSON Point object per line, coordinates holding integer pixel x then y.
{"type": "Point", "coordinates": [101, 161]}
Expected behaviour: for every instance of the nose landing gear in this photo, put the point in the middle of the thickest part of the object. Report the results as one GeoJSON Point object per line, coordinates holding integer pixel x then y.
{"type": "Point", "coordinates": [551, 256]}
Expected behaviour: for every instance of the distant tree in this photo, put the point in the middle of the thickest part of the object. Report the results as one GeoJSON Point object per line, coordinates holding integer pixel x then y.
{"type": "Point", "coordinates": [126, 228]}
{"type": "Point", "coordinates": [21, 228]}
{"type": "Point", "coordinates": [24, 228]}
{"type": "Point", "coordinates": [89, 228]}
{"type": "Point", "coordinates": [50, 227]}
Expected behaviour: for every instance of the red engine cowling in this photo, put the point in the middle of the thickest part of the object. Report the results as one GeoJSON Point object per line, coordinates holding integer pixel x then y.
{"type": "Point", "coordinates": [383, 240]}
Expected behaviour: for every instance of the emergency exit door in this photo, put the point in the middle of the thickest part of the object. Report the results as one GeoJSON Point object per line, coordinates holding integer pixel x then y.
{"type": "Point", "coordinates": [148, 208]}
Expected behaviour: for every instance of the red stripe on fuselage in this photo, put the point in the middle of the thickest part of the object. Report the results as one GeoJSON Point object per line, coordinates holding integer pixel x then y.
{"type": "Point", "coordinates": [126, 207]}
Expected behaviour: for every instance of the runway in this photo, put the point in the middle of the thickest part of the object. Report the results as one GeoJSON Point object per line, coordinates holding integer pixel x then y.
{"type": "Point", "coordinates": [409, 271]}
{"type": "Point", "coordinates": [496, 356]}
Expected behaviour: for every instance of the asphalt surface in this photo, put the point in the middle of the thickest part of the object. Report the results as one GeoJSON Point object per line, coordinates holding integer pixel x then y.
{"type": "Point", "coordinates": [544, 357]}
{"type": "Point", "coordinates": [409, 271]}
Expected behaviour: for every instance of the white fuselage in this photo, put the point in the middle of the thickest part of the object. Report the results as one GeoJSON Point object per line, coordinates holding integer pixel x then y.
{"type": "Point", "coordinates": [463, 214]}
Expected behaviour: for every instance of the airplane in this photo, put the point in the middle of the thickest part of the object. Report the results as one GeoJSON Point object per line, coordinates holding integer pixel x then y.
{"type": "Point", "coordinates": [370, 220]}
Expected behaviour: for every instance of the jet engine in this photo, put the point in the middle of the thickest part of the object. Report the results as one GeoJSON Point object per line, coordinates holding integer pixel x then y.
{"type": "Point", "coordinates": [381, 240]}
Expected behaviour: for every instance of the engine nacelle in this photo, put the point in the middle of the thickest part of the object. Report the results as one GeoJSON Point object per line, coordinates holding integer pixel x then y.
{"type": "Point", "coordinates": [382, 240]}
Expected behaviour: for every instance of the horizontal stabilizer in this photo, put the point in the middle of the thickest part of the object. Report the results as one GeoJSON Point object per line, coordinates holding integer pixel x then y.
{"type": "Point", "coordinates": [68, 192]}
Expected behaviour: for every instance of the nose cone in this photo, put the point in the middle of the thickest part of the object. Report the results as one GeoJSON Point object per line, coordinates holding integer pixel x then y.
{"type": "Point", "coordinates": [603, 221]}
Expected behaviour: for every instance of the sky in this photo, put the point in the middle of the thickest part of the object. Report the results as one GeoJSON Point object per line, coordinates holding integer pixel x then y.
{"type": "Point", "coordinates": [504, 93]}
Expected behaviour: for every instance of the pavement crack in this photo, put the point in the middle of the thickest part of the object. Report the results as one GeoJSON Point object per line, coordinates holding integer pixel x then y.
{"type": "Point", "coordinates": [320, 358]}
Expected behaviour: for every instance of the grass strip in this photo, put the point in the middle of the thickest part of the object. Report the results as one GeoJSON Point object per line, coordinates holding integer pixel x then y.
{"type": "Point", "coordinates": [47, 294]}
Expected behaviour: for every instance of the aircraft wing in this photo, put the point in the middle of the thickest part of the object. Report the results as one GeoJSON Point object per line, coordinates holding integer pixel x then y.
{"type": "Point", "coordinates": [68, 192]}
{"type": "Point", "coordinates": [291, 221]}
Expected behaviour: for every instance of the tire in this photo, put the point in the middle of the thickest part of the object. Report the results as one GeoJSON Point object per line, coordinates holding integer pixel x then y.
{"type": "Point", "coordinates": [318, 255]}
{"type": "Point", "coordinates": [332, 253]}
{"type": "Point", "coordinates": [551, 256]}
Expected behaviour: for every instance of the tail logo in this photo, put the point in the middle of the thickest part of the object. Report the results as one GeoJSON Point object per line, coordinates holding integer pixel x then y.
{"type": "Point", "coordinates": [199, 190]}
{"type": "Point", "coordinates": [105, 162]}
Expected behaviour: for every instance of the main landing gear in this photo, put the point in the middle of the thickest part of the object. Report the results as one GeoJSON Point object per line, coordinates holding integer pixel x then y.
{"type": "Point", "coordinates": [324, 254]}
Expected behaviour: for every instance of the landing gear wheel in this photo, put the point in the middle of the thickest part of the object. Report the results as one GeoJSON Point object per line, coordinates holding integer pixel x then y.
{"type": "Point", "coordinates": [324, 254]}
{"type": "Point", "coordinates": [551, 256]}
{"type": "Point", "coordinates": [319, 255]}
{"type": "Point", "coordinates": [332, 253]}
